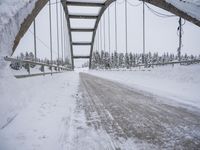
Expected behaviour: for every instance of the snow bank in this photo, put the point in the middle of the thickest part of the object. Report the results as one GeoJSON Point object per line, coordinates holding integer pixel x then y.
{"type": "Point", "coordinates": [36, 112]}
{"type": "Point", "coordinates": [180, 83]}
{"type": "Point", "coordinates": [191, 7]}
{"type": "Point", "coordinates": [12, 14]}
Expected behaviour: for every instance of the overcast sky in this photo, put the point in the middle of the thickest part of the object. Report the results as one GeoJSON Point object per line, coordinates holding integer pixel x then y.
{"type": "Point", "coordinates": [161, 33]}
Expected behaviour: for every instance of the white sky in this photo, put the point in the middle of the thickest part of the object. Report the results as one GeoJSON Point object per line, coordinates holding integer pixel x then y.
{"type": "Point", "coordinates": [161, 33]}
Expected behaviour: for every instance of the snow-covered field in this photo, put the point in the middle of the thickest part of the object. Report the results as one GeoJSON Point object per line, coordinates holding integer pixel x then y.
{"type": "Point", "coordinates": [180, 83]}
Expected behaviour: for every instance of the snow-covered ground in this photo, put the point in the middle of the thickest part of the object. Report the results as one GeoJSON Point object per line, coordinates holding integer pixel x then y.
{"type": "Point", "coordinates": [34, 111]}
{"type": "Point", "coordinates": [180, 83]}
{"type": "Point", "coordinates": [45, 113]}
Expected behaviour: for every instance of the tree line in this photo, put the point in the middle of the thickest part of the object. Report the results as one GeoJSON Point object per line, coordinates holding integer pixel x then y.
{"type": "Point", "coordinates": [104, 60]}
{"type": "Point", "coordinates": [16, 65]}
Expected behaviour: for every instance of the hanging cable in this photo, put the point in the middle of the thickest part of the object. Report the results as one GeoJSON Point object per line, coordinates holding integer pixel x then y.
{"type": "Point", "coordinates": [126, 26]}
{"type": "Point", "coordinates": [61, 30]}
{"type": "Point", "coordinates": [180, 38]}
{"type": "Point", "coordinates": [35, 41]}
{"type": "Point", "coordinates": [143, 56]}
{"type": "Point", "coordinates": [120, 2]}
{"type": "Point", "coordinates": [134, 5]}
{"type": "Point", "coordinates": [58, 41]}
{"type": "Point", "coordinates": [50, 28]}
{"type": "Point", "coordinates": [116, 26]}
{"type": "Point", "coordinates": [97, 39]}
{"type": "Point", "coordinates": [100, 35]}
{"type": "Point", "coordinates": [64, 36]}
{"type": "Point", "coordinates": [109, 29]}
{"type": "Point", "coordinates": [42, 42]}
{"type": "Point", "coordinates": [104, 30]}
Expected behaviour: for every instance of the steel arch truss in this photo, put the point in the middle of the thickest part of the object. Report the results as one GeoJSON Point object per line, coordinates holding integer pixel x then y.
{"type": "Point", "coordinates": [102, 6]}
{"type": "Point", "coordinates": [41, 3]}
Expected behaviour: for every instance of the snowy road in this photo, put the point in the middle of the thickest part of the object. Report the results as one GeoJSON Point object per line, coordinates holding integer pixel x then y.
{"type": "Point", "coordinates": [148, 121]}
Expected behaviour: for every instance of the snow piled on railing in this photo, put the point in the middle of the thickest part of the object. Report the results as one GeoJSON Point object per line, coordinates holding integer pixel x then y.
{"type": "Point", "coordinates": [191, 7]}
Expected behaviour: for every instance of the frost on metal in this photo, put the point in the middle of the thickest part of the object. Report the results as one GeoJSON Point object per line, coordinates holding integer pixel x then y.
{"type": "Point", "coordinates": [12, 15]}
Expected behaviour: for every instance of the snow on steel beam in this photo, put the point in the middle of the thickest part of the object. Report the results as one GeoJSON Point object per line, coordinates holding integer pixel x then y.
{"type": "Point", "coordinates": [82, 17]}
{"type": "Point", "coordinates": [171, 8]}
{"type": "Point", "coordinates": [28, 21]}
{"type": "Point", "coordinates": [86, 4]}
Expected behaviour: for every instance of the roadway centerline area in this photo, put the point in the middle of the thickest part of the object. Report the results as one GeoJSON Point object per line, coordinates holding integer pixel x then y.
{"type": "Point", "coordinates": [149, 121]}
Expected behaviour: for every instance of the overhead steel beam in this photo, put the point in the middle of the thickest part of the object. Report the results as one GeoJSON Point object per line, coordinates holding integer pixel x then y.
{"type": "Point", "coordinates": [81, 30]}
{"type": "Point", "coordinates": [106, 5]}
{"type": "Point", "coordinates": [81, 43]}
{"type": "Point", "coordinates": [82, 17]}
{"type": "Point", "coordinates": [85, 4]}
{"type": "Point", "coordinates": [81, 57]}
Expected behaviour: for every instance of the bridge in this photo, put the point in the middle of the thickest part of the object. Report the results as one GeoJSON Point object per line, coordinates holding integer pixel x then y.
{"type": "Point", "coordinates": [99, 7]}
{"type": "Point", "coordinates": [114, 107]}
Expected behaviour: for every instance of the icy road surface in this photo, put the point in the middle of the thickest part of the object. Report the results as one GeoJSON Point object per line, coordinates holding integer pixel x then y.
{"type": "Point", "coordinates": [135, 119]}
